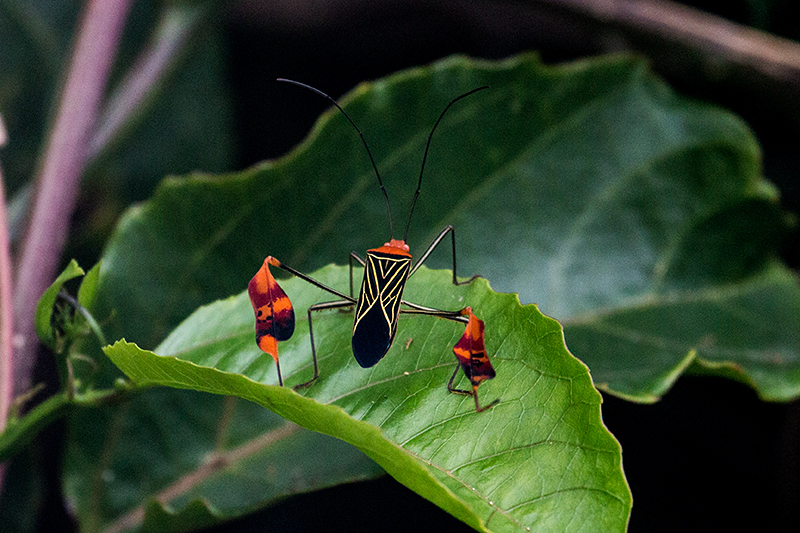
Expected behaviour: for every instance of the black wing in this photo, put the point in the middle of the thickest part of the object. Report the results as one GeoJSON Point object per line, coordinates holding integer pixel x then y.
{"type": "Point", "coordinates": [378, 306]}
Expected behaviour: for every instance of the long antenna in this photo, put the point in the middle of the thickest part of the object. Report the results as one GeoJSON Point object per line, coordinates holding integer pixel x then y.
{"type": "Point", "coordinates": [363, 140]}
{"type": "Point", "coordinates": [425, 156]}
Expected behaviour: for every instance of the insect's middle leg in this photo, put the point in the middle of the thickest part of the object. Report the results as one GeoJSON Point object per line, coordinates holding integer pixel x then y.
{"type": "Point", "coordinates": [338, 304]}
{"type": "Point", "coordinates": [416, 309]}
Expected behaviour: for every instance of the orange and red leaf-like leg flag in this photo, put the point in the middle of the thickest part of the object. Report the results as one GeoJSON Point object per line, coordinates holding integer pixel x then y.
{"type": "Point", "coordinates": [274, 311]}
{"type": "Point", "coordinates": [470, 351]}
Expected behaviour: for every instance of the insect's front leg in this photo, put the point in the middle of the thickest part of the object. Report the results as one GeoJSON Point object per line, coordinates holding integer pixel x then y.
{"type": "Point", "coordinates": [274, 311]}
{"type": "Point", "coordinates": [448, 229]}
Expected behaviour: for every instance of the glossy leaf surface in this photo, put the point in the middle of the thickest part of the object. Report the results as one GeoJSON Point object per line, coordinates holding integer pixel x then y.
{"type": "Point", "coordinates": [540, 459]}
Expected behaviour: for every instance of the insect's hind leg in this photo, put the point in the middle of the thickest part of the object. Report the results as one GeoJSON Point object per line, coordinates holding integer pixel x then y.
{"type": "Point", "coordinates": [269, 295]}
{"type": "Point", "coordinates": [274, 262]}
{"type": "Point", "coordinates": [448, 229]}
{"type": "Point", "coordinates": [338, 304]}
{"type": "Point", "coordinates": [473, 393]}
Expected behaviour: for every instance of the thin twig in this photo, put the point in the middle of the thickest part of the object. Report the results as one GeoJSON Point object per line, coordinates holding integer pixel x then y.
{"type": "Point", "coordinates": [573, 25]}
{"type": "Point", "coordinates": [711, 36]}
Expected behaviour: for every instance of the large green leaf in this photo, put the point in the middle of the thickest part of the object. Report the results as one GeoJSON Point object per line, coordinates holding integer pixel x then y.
{"type": "Point", "coordinates": [590, 189]}
{"type": "Point", "coordinates": [540, 460]}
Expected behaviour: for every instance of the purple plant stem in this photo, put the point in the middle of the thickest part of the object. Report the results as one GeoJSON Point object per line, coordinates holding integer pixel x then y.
{"type": "Point", "coordinates": [177, 24]}
{"type": "Point", "coordinates": [6, 315]}
{"type": "Point", "coordinates": [62, 167]}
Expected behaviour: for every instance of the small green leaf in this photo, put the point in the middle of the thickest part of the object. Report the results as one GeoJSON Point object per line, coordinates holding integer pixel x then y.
{"type": "Point", "coordinates": [22, 429]}
{"type": "Point", "coordinates": [541, 458]}
{"type": "Point", "coordinates": [88, 288]}
{"type": "Point", "coordinates": [85, 300]}
{"type": "Point", "coordinates": [44, 309]}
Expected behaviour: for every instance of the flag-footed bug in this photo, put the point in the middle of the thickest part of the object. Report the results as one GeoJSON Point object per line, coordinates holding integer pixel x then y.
{"type": "Point", "coordinates": [380, 299]}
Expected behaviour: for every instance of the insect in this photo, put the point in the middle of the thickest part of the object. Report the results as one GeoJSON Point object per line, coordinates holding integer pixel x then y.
{"type": "Point", "coordinates": [380, 299]}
